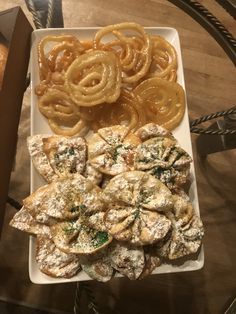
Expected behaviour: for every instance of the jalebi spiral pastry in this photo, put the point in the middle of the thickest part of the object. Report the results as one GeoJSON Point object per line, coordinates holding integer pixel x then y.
{"type": "Point", "coordinates": [126, 110]}
{"type": "Point", "coordinates": [56, 104]}
{"type": "Point", "coordinates": [94, 78]}
{"type": "Point", "coordinates": [120, 112]}
{"type": "Point", "coordinates": [164, 101]}
{"type": "Point", "coordinates": [62, 113]}
{"type": "Point", "coordinates": [54, 63]}
{"type": "Point", "coordinates": [164, 60]}
{"type": "Point", "coordinates": [95, 83]}
{"type": "Point", "coordinates": [134, 53]}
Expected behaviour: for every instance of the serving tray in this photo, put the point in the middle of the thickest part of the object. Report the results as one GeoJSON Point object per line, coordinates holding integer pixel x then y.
{"type": "Point", "coordinates": [39, 125]}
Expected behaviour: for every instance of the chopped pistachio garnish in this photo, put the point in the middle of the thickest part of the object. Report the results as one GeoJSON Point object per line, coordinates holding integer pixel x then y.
{"type": "Point", "coordinates": [100, 238]}
{"type": "Point", "coordinates": [71, 228]}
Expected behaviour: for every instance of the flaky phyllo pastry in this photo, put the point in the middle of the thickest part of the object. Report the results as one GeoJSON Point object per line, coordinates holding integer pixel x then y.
{"type": "Point", "coordinates": [114, 202]}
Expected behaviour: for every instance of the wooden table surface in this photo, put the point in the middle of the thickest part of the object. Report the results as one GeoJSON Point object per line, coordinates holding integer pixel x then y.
{"type": "Point", "coordinates": [211, 86]}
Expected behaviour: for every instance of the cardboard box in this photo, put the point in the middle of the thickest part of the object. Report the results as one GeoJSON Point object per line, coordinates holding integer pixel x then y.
{"type": "Point", "coordinates": [15, 31]}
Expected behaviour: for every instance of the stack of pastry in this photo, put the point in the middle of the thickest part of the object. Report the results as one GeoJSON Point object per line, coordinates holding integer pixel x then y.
{"type": "Point", "coordinates": [112, 203]}
{"type": "Point", "coordinates": [129, 79]}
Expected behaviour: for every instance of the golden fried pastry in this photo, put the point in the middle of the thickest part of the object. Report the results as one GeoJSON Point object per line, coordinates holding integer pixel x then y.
{"type": "Point", "coordinates": [173, 178]}
{"type": "Point", "coordinates": [56, 104]}
{"type": "Point", "coordinates": [151, 263]}
{"type": "Point", "coordinates": [151, 130]}
{"type": "Point", "coordinates": [182, 209]}
{"type": "Point", "coordinates": [58, 156]}
{"type": "Point", "coordinates": [127, 259]}
{"type": "Point", "coordinates": [62, 113]}
{"type": "Point", "coordinates": [134, 52]}
{"type": "Point", "coordinates": [126, 110]}
{"type": "Point", "coordinates": [33, 205]}
{"type": "Point", "coordinates": [137, 188]}
{"type": "Point", "coordinates": [54, 262]}
{"type": "Point", "coordinates": [160, 152]}
{"type": "Point", "coordinates": [68, 129]}
{"type": "Point", "coordinates": [66, 156]}
{"type": "Point", "coordinates": [54, 63]}
{"type": "Point", "coordinates": [66, 198]}
{"type": "Point", "coordinates": [94, 78]}
{"type": "Point", "coordinates": [105, 180]}
{"type": "Point", "coordinates": [184, 240]}
{"type": "Point", "coordinates": [23, 221]}
{"type": "Point", "coordinates": [92, 173]}
{"type": "Point", "coordinates": [187, 230]}
{"type": "Point", "coordinates": [135, 225]}
{"type": "Point", "coordinates": [128, 79]}
{"type": "Point", "coordinates": [165, 159]}
{"type": "Point", "coordinates": [111, 150]}
{"type": "Point", "coordinates": [97, 266]}
{"type": "Point", "coordinates": [164, 101]}
{"type": "Point", "coordinates": [133, 200]}
{"type": "Point", "coordinates": [76, 237]}
{"type": "Point", "coordinates": [39, 158]}
{"type": "Point", "coordinates": [164, 59]}
{"type": "Point", "coordinates": [96, 220]}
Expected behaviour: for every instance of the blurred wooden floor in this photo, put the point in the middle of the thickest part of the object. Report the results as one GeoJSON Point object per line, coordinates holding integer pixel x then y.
{"type": "Point", "coordinates": [211, 86]}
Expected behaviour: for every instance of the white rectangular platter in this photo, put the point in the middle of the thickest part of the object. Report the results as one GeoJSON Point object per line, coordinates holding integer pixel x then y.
{"type": "Point", "coordinates": [39, 125]}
